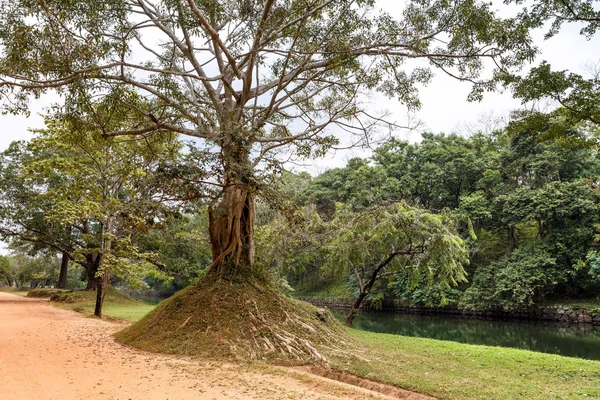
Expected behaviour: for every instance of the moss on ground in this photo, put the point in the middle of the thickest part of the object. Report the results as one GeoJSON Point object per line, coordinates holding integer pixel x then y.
{"type": "Point", "coordinates": [240, 320]}
{"type": "Point", "coordinates": [45, 293]}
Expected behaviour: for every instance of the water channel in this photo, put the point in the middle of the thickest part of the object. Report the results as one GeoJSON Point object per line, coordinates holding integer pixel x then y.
{"type": "Point", "coordinates": [568, 340]}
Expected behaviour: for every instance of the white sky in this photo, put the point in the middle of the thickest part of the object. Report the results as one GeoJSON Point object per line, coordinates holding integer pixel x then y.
{"type": "Point", "coordinates": [445, 108]}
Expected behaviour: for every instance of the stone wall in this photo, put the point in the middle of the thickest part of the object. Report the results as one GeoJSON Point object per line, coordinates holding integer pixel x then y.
{"type": "Point", "coordinates": [563, 314]}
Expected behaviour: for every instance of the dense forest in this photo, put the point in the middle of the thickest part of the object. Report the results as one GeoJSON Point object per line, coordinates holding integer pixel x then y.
{"type": "Point", "coordinates": [525, 204]}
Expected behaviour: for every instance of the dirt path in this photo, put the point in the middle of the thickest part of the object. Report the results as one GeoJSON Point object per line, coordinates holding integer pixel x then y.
{"type": "Point", "coordinates": [48, 353]}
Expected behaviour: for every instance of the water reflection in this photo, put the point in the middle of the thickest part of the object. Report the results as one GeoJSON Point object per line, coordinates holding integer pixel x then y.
{"type": "Point", "coordinates": [569, 340]}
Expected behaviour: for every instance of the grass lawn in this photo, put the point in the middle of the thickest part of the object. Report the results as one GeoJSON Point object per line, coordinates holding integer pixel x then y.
{"type": "Point", "coordinates": [116, 304]}
{"type": "Point", "coordinates": [128, 312]}
{"type": "Point", "coordinates": [451, 370]}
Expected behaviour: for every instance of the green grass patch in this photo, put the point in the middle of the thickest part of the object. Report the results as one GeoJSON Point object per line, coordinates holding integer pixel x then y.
{"type": "Point", "coordinates": [47, 293]}
{"type": "Point", "coordinates": [116, 304]}
{"type": "Point", "coordinates": [128, 312]}
{"type": "Point", "coordinates": [451, 370]}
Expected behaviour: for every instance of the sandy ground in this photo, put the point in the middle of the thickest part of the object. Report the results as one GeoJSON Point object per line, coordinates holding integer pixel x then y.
{"type": "Point", "coordinates": [48, 353]}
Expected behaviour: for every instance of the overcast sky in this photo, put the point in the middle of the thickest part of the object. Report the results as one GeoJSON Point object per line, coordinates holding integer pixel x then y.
{"type": "Point", "coordinates": [445, 108]}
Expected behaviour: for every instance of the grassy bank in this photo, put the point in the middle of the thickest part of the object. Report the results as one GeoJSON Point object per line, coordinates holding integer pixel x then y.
{"type": "Point", "coordinates": [592, 302]}
{"type": "Point", "coordinates": [116, 304]}
{"type": "Point", "coordinates": [451, 370]}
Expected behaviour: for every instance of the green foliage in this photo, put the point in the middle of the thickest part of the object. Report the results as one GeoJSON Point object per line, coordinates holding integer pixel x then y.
{"type": "Point", "coordinates": [512, 192]}
{"type": "Point", "coordinates": [436, 294]}
{"type": "Point", "coordinates": [5, 271]}
{"type": "Point", "coordinates": [514, 282]}
{"type": "Point", "coordinates": [577, 96]}
{"type": "Point", "coordinates": [291, 247]}
{"type": "Point", "coordinates": [553, 206]}
{"type": "Point", "coordinates": [594, 261]}
{"type": "Point", "coordinates": [424, 244]}
{"type": "Point", "coordinates": [352, 245]}
{"type": "Point", "coordinates": [181, 249]}
{"type": "Point", "coordinates": [20, 270]}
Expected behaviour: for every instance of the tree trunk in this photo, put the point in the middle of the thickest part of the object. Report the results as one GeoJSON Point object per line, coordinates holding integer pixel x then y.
{"type": "Point", "coordinates": [92, 284]}
{"type": "Point", "coordinates": [366, 289]}
{"type": "Point", "coordinates": [102, 280]}
{"type": "Point", "coordinates": [355, 307]}
{"type": "Point", "coordinates": [231, 228]}
{"type": "Point", "coordinates": [64, 265]}
{"type": "Point", "coordinates": [91, 265]}
{"type": "Point", "coordinates": [99, 293]}
{"type": "Point", "coordinates": [102, 287]}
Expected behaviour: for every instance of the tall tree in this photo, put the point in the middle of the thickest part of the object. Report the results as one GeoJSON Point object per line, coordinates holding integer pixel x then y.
{"type": "Point", "coordinates": [112, 188]}
{"type": "Point", "coordinates": [252, 80]}
{"type": "Point", "coordinates": [85, 196]}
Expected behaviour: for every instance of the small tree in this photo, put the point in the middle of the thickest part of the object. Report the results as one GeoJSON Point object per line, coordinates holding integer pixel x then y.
{"type": "Point", "coordinates": [385, 240]}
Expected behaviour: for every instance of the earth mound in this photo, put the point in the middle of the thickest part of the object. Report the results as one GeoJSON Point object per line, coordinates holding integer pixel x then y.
{"type": "Point", "coordinates": [219, 318]}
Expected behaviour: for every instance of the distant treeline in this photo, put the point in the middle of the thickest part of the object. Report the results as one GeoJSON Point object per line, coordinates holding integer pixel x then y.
{"type": "Point", "coordinates": [530, 200]}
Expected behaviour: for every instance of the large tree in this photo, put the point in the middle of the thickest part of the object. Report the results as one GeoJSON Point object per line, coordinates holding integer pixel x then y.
{"type": "Point", "coordinates": [255, 81]}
